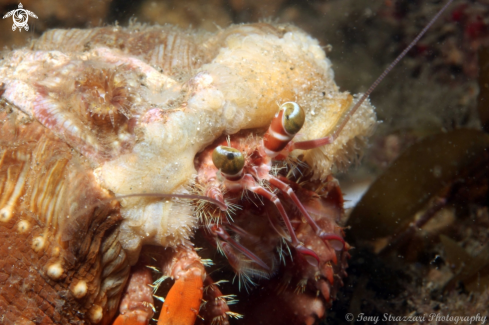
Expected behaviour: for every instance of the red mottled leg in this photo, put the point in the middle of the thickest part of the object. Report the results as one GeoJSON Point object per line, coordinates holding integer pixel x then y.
{"type": "Point", "coordinates": [183, 301]}
{"type": "Point", "coordinates": [252, 186]}
{"type": "Point", "coordinates": [218, 231]}
{"type": "Point", "coordinates": [215, 193]}
{"type": "Point", "coordinates": [328, 272]}
{"type": "Point", "coordinates": [336, 241]}
{"type": "Point", "coordinates": [137, 303]}
{"type": "Point", "coordinates": [215, 309]}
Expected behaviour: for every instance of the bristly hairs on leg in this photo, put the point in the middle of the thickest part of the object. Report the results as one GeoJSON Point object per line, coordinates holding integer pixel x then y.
{"type": "Point", "coordinates": [156, 285]}
{"type": "Point", "coordinates": [247, 272]}
{"type": "Point", "coordinates": [295, 166]}
{"type": "Point", "coordinates": [243, 267]}
{"type": "Point", "coordinates": [208, 213]}
{"type": "Point", "coordinates": [301, 286]}
{"type": "Point", "coordinates": [282, 253]}
{"type": "Point", "coordinates": [213, 285]}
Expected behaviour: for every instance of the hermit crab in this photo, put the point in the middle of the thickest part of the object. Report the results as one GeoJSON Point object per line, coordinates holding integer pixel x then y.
{"type": "Point", "coordinates": [116, 138]}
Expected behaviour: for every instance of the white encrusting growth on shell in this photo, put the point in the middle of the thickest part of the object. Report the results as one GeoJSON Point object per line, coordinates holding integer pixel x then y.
{"type": "Point", "coordinates": [95, 314]}
{"type": "Point", "coordinates": [23, 226]}
{"type": "Point", "coordinates": [6, 213]}
{"type": "Point", "coordinates": [79, 290]}
{"type": "Point", "coordinates": [55, 270]}
{"type": "Point", "coordinates": [38, 243]}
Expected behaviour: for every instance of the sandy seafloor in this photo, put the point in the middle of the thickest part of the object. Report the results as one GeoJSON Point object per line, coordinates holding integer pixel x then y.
{"type": "Point", "coordinates": [433, 90]}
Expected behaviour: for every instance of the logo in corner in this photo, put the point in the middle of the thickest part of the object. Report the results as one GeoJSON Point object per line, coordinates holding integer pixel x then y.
{"type": "Point", "coordinates": [20, 17]}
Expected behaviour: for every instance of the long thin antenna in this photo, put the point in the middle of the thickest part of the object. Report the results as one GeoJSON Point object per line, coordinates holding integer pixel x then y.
{"type": "Point", "coordinates": [170, 196]}
{"type": "Point", "coordinates": [390, 67]}
{"type": "Point", "coordinates": [329, 139]}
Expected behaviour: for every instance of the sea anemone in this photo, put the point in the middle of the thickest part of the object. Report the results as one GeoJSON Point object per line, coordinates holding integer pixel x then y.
{"type": "Point", "coordinates": [105, 93]}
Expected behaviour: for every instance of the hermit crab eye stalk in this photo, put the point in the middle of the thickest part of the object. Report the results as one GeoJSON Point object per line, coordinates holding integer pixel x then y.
{"type": "Point", "coordinates": [293, 117]}
{"type": "Point", "coordinates": [230, 161]}
{"type": "Point", "coordinates": [285, 125]}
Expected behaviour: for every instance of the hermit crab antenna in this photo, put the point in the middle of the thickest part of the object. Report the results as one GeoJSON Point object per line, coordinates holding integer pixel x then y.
{"type": "Point", "coordinates": [389, 68]}
{"type": "Point", "coordinates": [170, 196]}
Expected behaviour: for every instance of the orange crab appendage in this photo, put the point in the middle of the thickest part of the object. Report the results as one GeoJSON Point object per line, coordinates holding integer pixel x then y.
{"type": "Point", "coordinates": [183, 301]}
{"type": "Point", "coordinates": [193, 298]}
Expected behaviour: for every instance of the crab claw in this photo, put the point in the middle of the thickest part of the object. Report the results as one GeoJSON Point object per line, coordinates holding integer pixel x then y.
{"type": "Point", "coordinates": [183, 301]}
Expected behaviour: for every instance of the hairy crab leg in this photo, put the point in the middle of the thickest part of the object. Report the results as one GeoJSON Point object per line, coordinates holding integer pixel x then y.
{"type": "Point", "coordinates": [182, 303]}
{"type": "Point", "coordinates": [337, 242]}
{"type": "Point", "coordinates": [243, 233]}
{"type": "Point", "coordinates": [217, 230]}
{"type": "Point", "coordinates": [240, 231]}
{"type": "Point", "coordinates": [215, 309]}
{"type": "Point", "coordinates": [251, 185]}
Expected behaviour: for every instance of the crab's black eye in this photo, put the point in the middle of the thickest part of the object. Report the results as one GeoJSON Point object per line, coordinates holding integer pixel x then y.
{"type": "Point", "coordinates": [293, 117]}
{"type": "Point", "coordinates": [229, 160]}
